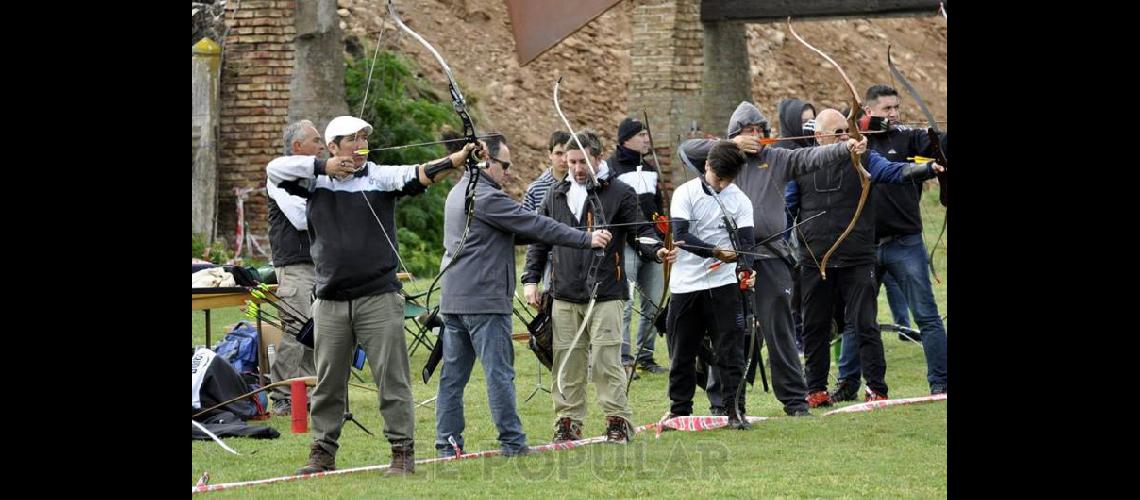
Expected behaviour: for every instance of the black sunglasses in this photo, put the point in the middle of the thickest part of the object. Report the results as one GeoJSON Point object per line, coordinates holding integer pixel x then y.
{"type": "Point", "coordinates": [506, 164]}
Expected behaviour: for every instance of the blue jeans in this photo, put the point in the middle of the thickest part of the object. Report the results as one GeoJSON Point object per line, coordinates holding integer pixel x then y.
{"type": "Point", "coordinates": [464, 337]}
{"type": "Point", "coordinates": [904, 258]}
{"type": "Point", "coordinates": [896, 300]}
{"type": "Point", "coordinates": [650, 279]}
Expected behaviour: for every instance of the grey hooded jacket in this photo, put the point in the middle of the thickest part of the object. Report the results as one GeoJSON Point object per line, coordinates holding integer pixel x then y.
{"type": "Point", "coordinates": [766, 174]}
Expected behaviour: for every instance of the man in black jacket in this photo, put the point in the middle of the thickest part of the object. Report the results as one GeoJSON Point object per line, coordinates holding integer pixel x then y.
{"type": "Point", "coordinates": [900, 248]}
{"type": "Point", "coordinates": [588, 287]}
{"type": "Point", "coordinates": [851, 276]}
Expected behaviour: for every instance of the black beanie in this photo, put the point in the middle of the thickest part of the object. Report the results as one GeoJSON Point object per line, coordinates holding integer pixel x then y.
{"type": "Point", "coordinates": [629, 127]}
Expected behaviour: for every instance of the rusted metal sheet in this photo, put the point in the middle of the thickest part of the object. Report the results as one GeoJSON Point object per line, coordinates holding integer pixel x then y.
{"type": "Point", "coordinates": [540, 24]}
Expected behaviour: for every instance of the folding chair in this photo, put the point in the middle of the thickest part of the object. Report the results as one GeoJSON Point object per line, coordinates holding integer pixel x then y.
{"type": "Point", "coordinates": [420, 332]}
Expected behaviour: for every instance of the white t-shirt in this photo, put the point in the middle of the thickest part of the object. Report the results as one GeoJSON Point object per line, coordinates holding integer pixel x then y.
{"type": "Point", "coordinates": [691, 272]}
{"type": "Point", "coordinates": [576, 198]}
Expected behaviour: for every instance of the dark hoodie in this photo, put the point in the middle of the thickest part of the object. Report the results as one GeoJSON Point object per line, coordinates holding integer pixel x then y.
{"type": "Point", "coordinates": [765, 175]}
{"type": "Point", "coordinates": [791, 113]}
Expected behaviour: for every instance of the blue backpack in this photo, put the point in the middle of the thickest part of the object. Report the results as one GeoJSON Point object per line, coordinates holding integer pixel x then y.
{"type": "Point", "coordinates": [239, 347]}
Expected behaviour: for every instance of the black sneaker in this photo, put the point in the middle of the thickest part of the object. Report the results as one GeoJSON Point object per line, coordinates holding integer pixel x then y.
{"type": "Point", "coordinates": [846, 391]}
{"type": "Point", "coordinates": [937, 389]}
{"type": "Point", "coordinates": [521, 452]}
{"type": "Point", "coordinates": [618, 430]}
{"type": "Point", "coordinates": [909, 334]}
{"type": "Point", "coordinates": [566, 429]}
{"type": "Point", "coordinates": [802, 412]}
{"type": "Point", "coordinates": [718, 411]}
{"type": "Point", "coordinates": [735, 421]}
{"type": "Point", "coordinates": [652, 367]}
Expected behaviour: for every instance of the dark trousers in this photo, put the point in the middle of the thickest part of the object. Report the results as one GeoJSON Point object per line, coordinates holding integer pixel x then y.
{"type": "Point", "coordinates": [772, 306]}
{"type": "Point", "coordinates": [856, 288]}
{"type": "Point", "coordinates": [716, 314]}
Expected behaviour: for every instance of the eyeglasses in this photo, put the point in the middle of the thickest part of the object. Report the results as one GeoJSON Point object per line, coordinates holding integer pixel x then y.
{"type": "Point", "coordinates": [506, 164]}
{"type": "Point", "coordinates": [841, 131]}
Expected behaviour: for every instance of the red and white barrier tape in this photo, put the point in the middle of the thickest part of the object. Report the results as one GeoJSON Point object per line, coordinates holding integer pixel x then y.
{"type": "Point", "coordinates": [874, 405]}
{"type": "Point", "coordinates": [690, 423]}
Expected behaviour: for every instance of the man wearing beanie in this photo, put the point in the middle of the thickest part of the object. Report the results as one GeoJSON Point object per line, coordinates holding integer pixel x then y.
{"type": "Point", "coordinates": [627, 164]}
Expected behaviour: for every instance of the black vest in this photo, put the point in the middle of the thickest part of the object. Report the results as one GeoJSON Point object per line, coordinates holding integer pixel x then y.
{"type": "Point", "coordinates": [836, 190]}
{"type": "Point", "coordinates": [289, 245]}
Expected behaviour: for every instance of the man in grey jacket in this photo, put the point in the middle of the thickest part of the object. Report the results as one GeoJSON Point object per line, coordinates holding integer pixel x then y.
{"type": "Point", "coordinates": [476, 299]}
{"type": "Point", "coordinates": [763, 179]}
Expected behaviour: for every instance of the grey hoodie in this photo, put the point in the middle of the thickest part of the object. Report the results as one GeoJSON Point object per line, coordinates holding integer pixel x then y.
{"type": "Point", "coordinates": [765, 175]}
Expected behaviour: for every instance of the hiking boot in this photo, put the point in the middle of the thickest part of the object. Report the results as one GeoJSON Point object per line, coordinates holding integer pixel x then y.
{"type": "Point", "coordinates": [652, 367]}
{"type": "Point", "coordinates": [618, 430]}
{"type": "Point", "coordinates": [281, 408]}
{"type": "Point", "coordinates": [818, 399]}
{"type": "Point", "coordinates": [874, 396]}
{"type": "Point", "coordinates": [846, 391]}
{"type": "Point", "coordinates": [718, 411]}
{"type": "Point", "coordinates": [566, 429]}
{"type": "Point", "coordinates": [937, 389]}
{"type": "Point", "coordinates": [403, 459]}
{"type": "Point", "coordinates": [736, 421]}
{"type": "Point", "coordinates": [319, 461]}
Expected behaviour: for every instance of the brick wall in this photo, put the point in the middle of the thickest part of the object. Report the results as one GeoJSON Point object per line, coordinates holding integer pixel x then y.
{"type": "Point", "coordinates": [257, 67]}
{"type": "Point", "coordinates": [666, 70]}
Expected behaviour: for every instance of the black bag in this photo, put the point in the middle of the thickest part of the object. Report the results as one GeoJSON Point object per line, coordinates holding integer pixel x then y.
{"type": "Point", "coordinates": [244, 276]}
{"type": "Point", "coordinates": [541, 331]}
{"type": "Point", "coordinates": [214, 380]}
{"type": "Point", "coordinates": [226, 424]}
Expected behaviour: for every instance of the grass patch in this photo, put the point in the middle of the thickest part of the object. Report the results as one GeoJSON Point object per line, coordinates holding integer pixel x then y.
{"type": "Point", "coordinates": [895, 452]}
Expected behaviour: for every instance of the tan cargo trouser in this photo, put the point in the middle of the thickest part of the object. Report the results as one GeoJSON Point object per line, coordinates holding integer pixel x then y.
{"type": "Point", "coordinates": [603, 336]}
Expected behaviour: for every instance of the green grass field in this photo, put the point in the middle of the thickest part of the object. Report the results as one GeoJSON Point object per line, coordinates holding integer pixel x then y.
{"type": "Point", "coordinates": [895, 452]}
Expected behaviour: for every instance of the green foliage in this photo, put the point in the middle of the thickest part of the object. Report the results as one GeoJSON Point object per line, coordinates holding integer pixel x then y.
{"type": "Point", "coordinates": [405, 110]}
{"type": "Point", "coordinates": [218, 253]}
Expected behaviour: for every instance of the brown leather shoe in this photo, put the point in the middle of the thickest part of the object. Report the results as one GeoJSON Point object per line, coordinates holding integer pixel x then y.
{"type": "Point", "coordinates": [403, 459]}
{"type": "Point", "coordinates": [319, 461]}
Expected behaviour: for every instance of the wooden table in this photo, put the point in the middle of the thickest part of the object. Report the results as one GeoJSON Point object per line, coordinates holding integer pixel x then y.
{"type": "Point", "coordinates": [204, 299]}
